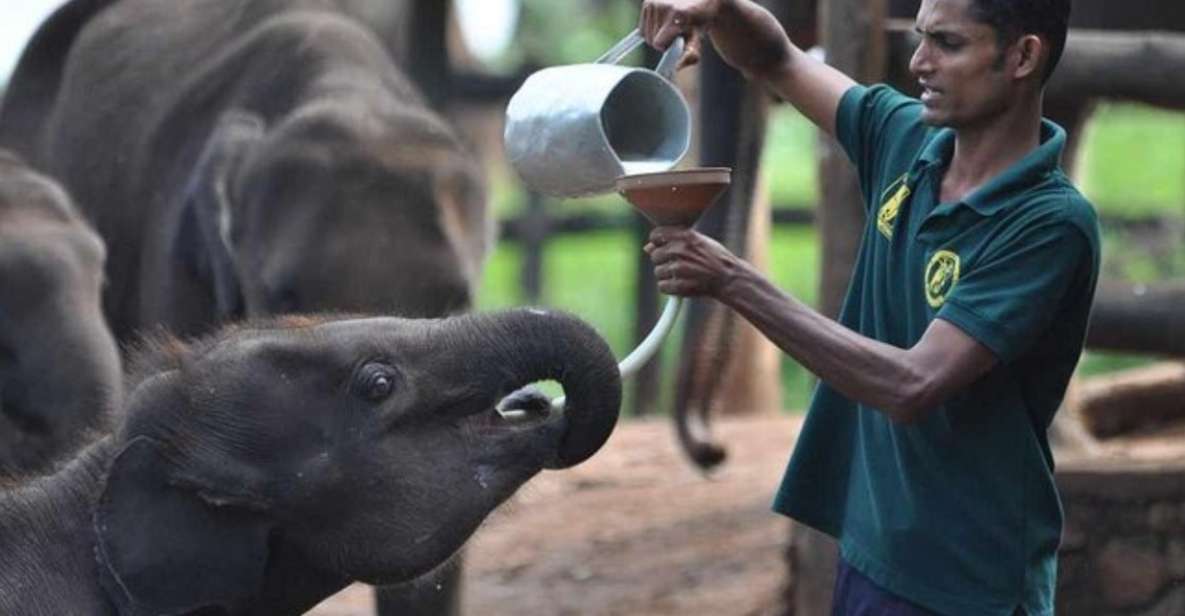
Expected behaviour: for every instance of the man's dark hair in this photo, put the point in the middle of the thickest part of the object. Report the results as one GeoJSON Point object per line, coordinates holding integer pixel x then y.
{"type": "Point", "coordinates": [1011, 19]}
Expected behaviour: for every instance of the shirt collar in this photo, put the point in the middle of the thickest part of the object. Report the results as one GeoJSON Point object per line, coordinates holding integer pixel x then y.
{"type": "Point", "coordinates": [987, 199]}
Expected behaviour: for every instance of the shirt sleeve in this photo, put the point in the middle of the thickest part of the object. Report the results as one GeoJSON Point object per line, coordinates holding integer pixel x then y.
{"type": "Point", "coordinates": [1013, 293]}
{"type": "Point", "coordinates": [869, 122]}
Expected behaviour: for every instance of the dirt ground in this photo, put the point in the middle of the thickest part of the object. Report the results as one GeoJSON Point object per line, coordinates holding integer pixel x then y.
{"type": "Point", "coordinates": [635, 530]}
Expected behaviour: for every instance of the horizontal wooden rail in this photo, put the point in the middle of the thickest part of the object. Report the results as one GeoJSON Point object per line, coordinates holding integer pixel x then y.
{"type": "Point", "coordinates": [517, 228]}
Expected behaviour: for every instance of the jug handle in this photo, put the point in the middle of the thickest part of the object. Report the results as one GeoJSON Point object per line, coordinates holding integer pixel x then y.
{"type": "Point", "coordinates": [670, 59]}
{"type": "Point", "coordinates": [622, 48]}
{"type": "Point", "coordinates": [666, 66]}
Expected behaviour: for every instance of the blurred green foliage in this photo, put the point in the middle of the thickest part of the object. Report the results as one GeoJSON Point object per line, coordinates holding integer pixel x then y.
{"type": "Point", "coordinates": [1133, 161]}
{"type": "Point", "coordinates": [551, 32]}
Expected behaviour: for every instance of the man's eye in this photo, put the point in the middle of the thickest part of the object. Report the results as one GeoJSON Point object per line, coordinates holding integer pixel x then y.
{"type": "Point", "coordinates": [948, 44]}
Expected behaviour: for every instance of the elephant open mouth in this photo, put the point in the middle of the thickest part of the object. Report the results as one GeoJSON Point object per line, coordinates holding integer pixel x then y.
{"type": "Point", "coordinates": [524, 426]}
{"type": "Point", "coordinates": [499, 419]}
{"type": "Point", "coordinates": [524, 407]}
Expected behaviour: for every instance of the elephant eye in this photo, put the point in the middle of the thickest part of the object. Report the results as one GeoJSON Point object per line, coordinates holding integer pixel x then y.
{"type": "Point", "coordinates": [376, 381]}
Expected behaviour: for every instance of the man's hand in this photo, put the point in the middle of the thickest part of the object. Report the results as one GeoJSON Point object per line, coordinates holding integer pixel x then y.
{"type": "Point", "coordinates": [750, 39]}
{"type": "Point", "coordinates": [745, 35]}
{"type": "Point", "coordinates": [688, 263]}
{"type": "Point", "coordinates": [664, 20]}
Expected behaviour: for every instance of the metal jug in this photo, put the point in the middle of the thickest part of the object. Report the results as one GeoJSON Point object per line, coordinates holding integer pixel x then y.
{"type": "Point", "coordinates": [573, 130]}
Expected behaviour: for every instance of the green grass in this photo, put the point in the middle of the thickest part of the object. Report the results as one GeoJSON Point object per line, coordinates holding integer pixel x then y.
{"type": "Point", "coordinates": [1133, 165]}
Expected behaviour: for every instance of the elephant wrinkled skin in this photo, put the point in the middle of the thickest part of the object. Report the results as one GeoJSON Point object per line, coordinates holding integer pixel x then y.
{"type": "Point", "coordinates": [59, 365]}
{"type": "Point", "coordinates": [263, 468]}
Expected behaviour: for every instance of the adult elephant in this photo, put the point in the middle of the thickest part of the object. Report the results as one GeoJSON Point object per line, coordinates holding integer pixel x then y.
{"type": "Point", "coordinates": [59, 365]}
{"type": "Point", "coordinates": [246, 158]}
{"type": "Point", "coordinates": [262, 469]}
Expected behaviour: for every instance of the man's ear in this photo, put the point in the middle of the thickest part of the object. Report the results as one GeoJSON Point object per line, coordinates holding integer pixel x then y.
{"type": "Point", "coordinates": [167, 547]}
{"type": "Point", "coordinates": [209, 213]}
{"type": "Point", "coordinates": [1029, 51]}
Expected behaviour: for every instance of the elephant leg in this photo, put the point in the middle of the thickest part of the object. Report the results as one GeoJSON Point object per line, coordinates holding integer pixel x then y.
{"type": "Point", "coordinates": [436, 594]}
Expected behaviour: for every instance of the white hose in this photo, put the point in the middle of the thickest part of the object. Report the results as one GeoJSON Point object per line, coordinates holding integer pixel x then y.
{"type": "Point", "coordinates": [647, 348]}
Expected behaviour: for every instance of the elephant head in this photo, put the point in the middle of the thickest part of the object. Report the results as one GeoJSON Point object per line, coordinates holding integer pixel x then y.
{"type": "Point", "coordinates": [263, 468]}
{"type": "Point", "coordinates": [337, 209]}
{"type": "Point", "coordinates": [59, 365]}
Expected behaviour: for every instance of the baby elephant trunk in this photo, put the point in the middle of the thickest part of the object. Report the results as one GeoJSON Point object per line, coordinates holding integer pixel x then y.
{"type": "Point", "coordinates": [522, 346]}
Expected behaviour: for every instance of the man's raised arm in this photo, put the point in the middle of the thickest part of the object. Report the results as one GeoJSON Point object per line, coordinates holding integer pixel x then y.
{"type": "Point", "coordinates": [749, 38]}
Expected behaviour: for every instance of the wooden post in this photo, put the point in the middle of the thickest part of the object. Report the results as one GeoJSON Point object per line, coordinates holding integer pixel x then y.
{"type": "Point", "coordinates": [733, 114]}
{"type": "Point", "coordinates": [854, 37]}
{"type": "Point", "coordinates": [427, 54]}
{"type": "Point", "coordinates": [647, 380]}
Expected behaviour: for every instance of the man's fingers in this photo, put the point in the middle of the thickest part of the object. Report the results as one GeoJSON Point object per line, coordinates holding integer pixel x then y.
{"type": "Point", "coordinates": [646, 25]}
{"type": "Point", "coordinates": [662, 255]}
{"type": "Point", "coordinates": [666, 35]}
{"type": "Point", "coordinates": [662, 235]}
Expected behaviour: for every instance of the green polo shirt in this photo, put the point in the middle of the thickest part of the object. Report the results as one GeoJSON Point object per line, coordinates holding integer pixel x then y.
{"type": "Point", "coordinates": [957, 512]}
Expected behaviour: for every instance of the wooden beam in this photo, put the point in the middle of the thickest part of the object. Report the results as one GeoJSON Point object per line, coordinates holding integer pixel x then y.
{"type": "Point", "coordinates": [1144, 67]}
{"type": "Point", "coordinates": [1130, 400]}
{"type": "Point", "coordinates": [1108, 15]}
{"type": "Point", "coordinates": [1137, 318]}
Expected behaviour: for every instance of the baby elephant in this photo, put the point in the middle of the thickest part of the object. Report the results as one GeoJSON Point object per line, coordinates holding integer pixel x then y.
{"type": "Point", "coordinates": [262, 469]}
{"type": "Point", "coordinates": [59, 365]}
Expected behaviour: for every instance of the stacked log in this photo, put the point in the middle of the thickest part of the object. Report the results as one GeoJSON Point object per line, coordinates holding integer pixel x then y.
{"type": "Point", "coordinates": [1133, 400]}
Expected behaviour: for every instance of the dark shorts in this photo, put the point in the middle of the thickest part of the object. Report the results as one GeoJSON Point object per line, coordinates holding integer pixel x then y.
{"type": "Point", "coordinates": [856, 595]}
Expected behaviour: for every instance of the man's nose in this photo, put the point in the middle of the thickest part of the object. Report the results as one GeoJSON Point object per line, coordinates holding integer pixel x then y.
{"type": "Point", "coordinates": [919, 63]}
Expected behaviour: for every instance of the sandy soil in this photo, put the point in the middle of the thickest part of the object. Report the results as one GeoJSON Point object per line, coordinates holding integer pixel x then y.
{"type": "Point", "coordinates": [634, 531]}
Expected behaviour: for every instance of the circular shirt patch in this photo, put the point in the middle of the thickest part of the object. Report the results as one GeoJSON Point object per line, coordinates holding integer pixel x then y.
{"type": "Point", "coordinates": [941, 275]}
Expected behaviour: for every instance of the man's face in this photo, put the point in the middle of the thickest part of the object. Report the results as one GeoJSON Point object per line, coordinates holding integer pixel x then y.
{"type": "Point", "coordinates": [958, 65]}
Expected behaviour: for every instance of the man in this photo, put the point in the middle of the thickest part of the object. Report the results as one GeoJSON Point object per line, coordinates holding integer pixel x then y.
{"type": "Point", "coordinates": [924, 451]}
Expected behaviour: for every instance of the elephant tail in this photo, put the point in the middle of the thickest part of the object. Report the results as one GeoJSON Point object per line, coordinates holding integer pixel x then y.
{"type": "Point", "coordinates": [34, 84]}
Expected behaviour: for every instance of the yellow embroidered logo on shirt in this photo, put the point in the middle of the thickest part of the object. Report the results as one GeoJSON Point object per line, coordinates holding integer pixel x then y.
{"type": "Point", "coordinates": [942, 273]}
{"type": "Point", "coordinates": [890, 209]}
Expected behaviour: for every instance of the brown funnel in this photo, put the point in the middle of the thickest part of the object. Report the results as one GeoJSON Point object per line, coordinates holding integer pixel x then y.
{"type": "Point", "coordinates": [674, 198]}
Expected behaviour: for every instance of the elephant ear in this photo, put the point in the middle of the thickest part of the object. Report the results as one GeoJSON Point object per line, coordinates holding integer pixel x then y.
{"type": "Point", "coordinates": [204, 233]}
{"type": "Point", "coordinates": [165, 549]}
{"type": "Point", "coordinates": [172, 537]}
